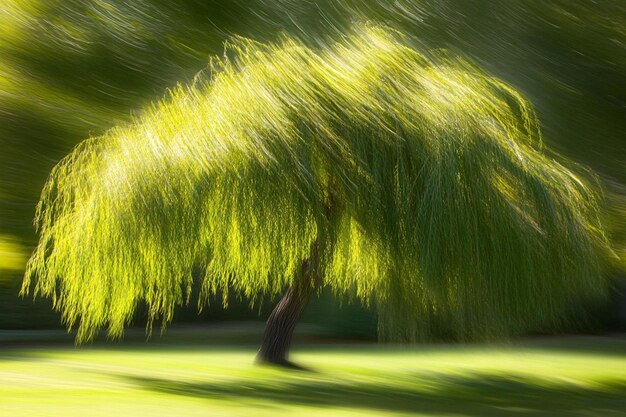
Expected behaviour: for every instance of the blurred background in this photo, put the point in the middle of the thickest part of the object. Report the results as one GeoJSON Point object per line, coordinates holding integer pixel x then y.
{"type": "Point", "coordinates": [71, 69]}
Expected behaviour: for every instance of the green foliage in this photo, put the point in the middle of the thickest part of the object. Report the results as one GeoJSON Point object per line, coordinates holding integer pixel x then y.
{"type": "Point", "coordinates": [422, 178]}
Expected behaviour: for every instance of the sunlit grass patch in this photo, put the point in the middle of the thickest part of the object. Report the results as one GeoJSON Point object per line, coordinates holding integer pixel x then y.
{"type": "Point", "coordinates": [576, 376]}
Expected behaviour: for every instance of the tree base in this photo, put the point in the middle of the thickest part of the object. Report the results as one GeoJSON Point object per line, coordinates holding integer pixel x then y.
{"type": "Point", "coordinates": [285, 316]}
{"type": "Point", "coordinates": [284, 364]}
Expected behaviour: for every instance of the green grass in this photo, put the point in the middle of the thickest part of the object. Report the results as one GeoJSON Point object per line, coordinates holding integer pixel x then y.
{"type": "Point", "coordinates": [181, 376]}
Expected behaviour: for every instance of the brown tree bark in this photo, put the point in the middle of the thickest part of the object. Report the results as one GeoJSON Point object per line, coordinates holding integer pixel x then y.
{"type": "Point", "coordinates": [285, 316]}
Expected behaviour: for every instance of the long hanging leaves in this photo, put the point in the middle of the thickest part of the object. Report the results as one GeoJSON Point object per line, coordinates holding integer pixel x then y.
{"type": "Point", "coordinates": [427, 175]}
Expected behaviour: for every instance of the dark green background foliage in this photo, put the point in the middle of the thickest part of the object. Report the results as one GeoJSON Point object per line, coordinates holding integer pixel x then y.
{"type": "Point", "coordinates": [72, 69]}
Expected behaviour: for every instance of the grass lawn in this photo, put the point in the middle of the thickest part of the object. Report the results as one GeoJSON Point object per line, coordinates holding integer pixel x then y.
{"type": "Point", "coordinates": [211, 373]}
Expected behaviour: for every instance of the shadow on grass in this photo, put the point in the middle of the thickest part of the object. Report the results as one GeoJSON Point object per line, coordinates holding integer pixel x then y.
{"type": "Point", "coordinates": [464, 395]}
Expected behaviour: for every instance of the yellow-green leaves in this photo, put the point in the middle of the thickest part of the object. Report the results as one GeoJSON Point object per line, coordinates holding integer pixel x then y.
{"type": "Point", "coordinates": [445, 212]}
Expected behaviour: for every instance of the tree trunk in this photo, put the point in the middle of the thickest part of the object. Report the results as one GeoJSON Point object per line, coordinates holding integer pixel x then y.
{"type": "Point", "coordinates": [282, 322]}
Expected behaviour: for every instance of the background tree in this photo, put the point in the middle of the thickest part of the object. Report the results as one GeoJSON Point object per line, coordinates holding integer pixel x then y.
{"type": "Point", "coordinates": [412, 181]}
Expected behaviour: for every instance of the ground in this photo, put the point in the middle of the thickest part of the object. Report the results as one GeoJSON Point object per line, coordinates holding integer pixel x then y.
{"type": "Point", "coordinates": [210, 372]}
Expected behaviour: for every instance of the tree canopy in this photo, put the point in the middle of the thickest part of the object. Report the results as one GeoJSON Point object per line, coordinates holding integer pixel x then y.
{"type": "Point", "coordinates": [419, 180]}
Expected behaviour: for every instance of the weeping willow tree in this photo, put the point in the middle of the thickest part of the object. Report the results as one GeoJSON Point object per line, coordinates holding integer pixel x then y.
{"type": "Point", "coordinates": [413, 182]}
